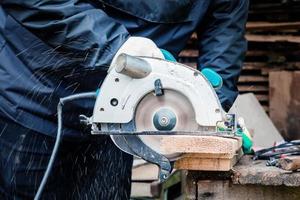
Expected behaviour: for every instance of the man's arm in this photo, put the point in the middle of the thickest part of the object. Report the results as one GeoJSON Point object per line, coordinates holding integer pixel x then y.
{"type": "Point", "coordinates": [222, 44]}
{"type": "Point", "coordinates": [75, 28]}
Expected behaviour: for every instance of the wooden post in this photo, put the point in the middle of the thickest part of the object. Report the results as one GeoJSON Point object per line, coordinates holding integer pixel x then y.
{"type": "Point", "coordinates": [284, 102]}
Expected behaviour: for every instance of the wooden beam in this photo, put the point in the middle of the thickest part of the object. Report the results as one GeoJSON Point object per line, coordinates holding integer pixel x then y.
{"type": "Point", "coordinates": [251, 172]}
{"type": "Point", "coordinates": [248, 78]}
{"type": "Point", "coordinates": [208, 153]}
{"type": "Point", "coordinates": [273, 38]}
{"type": "Point", "coordinates": [257, 53]}
{"type": "Point", "coordinates": [208, 162]}
{"type": "Point", "coordinates": [145, 172]}
{"type": "Point", "coordinates": [224, 189]}
{"type": "Point", "coordinates": [189, 53]}
{"type": "Point", "coordinates": [200, 144]}
{"type": "Point", "coordinates": [253, 88]}
{"type": "Point", "coordinates": [290, 163]}
{"type": "Point", "coordinates": [262, 97]}
{"type": "Point", "coordinates": [284, 102]}
{"type": "Point", "coordinates": [140, 189]}
{"type": "Point", "coordinates": [254, 65]}
{"type": "Point", "coordinates": [272, 26]}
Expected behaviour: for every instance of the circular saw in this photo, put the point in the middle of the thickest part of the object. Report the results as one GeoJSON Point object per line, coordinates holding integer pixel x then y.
{"type": "Point", "coordinates": [145, 99]}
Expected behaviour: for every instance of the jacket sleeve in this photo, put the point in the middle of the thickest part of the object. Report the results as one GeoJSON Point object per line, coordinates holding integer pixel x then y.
{"type": "Point", "coordinates": [222, 44]}
{"type": "Point", "coordinates": [75, 28]}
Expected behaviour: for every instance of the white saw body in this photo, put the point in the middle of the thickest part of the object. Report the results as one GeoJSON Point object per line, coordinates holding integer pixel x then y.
{"type": "Point", "coordinates": [143, 99]}
{"type": "Point", "coordinates": [129, 92]}
{"type": "Point", "coordinates": [128, 95]}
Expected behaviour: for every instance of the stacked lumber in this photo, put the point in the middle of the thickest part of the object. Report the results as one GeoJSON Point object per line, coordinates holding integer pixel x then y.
{"type": "Point", "coordinates": [144, 174]}
{"type": "Point", "coordinates": [273, 34]}
{"type": "Point", "coordinates": [284, 102]}
{"type": "Point", "coordinates": [205, 153]}
{"type": "Point", "coordinates": [274, 43]}
{"type": "Point", "coordinates": [274, 10]}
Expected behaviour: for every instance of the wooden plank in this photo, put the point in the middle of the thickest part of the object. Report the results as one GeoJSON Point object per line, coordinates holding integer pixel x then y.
{"type": "Point", "coordinates": [284, 102]}
{"type": "Point", "coordinates": [248, 180]}
{"type": "Point", "coordinates": [205, 164]}
{"type": "Point", "coordinates": [254, 65]}
{"type": "Point", "coordinates": [189, 53]}
{"type": "Point", "coordinates": [200, 144]}
{"type": "Point", "coordinates": [272, 26]}
{"type": "Point", "coordinates": [257, 53]}
{"type": "Point", "coordinates": [263, 66]}
{"type": "Point", "coordinates": [252, 78]}
{"type": "Point", "coordinates": [262, 97]}
{"type": "Point", "coordinates": [281, 67]}
{"type": "Point", "coordinates": [140, 189]}
{"type": "Point", "coordinates": [253, 38]}
{"type": "Point", "coordinates": [223, 189]}
{"type": "Point", "coordinates": [271, 5]}
{"type": "Point", "coordinates": [253, 88]}
{"type": "Point", "coordinates": [273, 38]}
{"type": "Point", "coordinates": [145, 172]}
{"type": "Point", "coordinates": [290, 163]}
{"type": "Point", "coordinates": [210, 162]}
{"type": "Point", "coordinates": [208, 153]}
{"type": "Point", "coordinates": [272, 50]}
{"type": "Point", "coordinates": [248, 172]}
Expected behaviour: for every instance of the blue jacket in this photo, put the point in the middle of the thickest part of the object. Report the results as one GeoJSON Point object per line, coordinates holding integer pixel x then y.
{"type": "Point", "coordinates": [51, 49]}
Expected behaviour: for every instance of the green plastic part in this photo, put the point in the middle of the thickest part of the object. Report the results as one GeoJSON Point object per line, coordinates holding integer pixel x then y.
{"type": "Point", "coordinates": [213, 77]}
{"type": "Point", "coordinates": [247, 142]}
{"type": "Point", "coordinates": [167, 55]}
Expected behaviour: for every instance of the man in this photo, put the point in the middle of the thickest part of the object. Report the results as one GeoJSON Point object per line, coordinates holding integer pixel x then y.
{"type": "Point", "coordinates": [52, 49]}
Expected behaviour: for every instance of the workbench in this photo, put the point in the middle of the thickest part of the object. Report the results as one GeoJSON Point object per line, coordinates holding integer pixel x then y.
{"type": "Point", "coordinates": [247, 180]}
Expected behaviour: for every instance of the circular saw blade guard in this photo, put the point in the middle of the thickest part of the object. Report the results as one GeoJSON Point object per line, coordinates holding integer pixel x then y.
{"type": "Point", "coordinates": [122, 91]}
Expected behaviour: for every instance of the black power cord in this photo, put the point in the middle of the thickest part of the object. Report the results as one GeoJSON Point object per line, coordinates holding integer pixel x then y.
{"type": "Point", "coordinates": [286, 147]}
{"type": "Point", "coordinates": [60, 105]}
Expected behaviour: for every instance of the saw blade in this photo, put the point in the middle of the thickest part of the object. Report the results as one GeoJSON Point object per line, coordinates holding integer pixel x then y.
{"type": "Point", "coordinates": [172, 104]}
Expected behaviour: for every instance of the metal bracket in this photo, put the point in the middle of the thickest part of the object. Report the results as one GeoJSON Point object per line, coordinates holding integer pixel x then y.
{"type": "Point", "coordinates": [133, 145]}
{"type": "Point", "coordinates": [148, 154]}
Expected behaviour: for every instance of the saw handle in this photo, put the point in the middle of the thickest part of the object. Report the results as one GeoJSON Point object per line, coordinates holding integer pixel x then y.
{"type": "Point", "coordinates": [132, 66]}
{"type": "Point", "coordinates": [213, 77]}
{"type": "Point", "coordinates": [167, 55]}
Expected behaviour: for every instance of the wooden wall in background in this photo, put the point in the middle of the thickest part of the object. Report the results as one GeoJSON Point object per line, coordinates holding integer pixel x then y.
{"type": "Point", "coordinates": [273, 34]}
{"type": "Point", "coordinates": [285, 102]}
